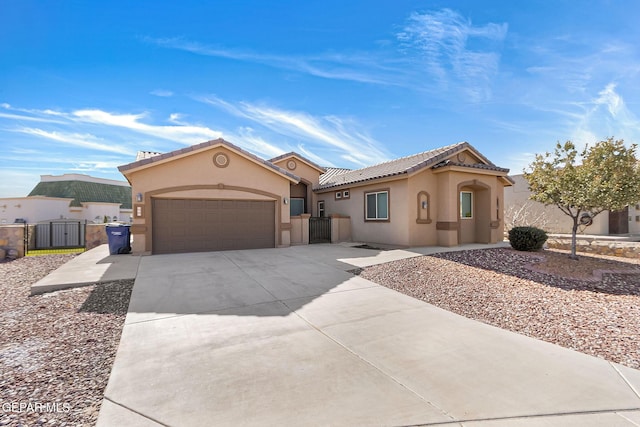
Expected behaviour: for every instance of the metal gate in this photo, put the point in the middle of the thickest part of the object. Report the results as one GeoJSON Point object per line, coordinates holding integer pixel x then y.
{"type": "Point", "coordinates": [64, 233]}
{"type": "Point", "coordinates": [319, 230]}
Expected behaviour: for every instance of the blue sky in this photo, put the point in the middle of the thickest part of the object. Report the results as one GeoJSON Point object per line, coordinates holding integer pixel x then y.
{"type": "Point", "coordinates": [85, 85]}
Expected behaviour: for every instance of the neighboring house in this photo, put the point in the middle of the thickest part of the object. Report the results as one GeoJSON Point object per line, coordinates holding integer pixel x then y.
{"type": "Point", "coordinates": [217, 196]}
{"type": "Point", "coordinates": [520, 210]}
{"type": "Point", "coordinates": [70, 196]}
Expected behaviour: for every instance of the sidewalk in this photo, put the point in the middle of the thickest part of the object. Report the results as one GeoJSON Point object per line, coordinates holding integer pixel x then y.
{"type": "Point", "coordinates": [88, 268]}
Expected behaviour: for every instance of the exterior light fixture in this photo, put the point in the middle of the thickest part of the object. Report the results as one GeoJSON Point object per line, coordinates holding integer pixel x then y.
{"type": "Point", "coordinates": [286, 201]}
{"type": "Point", "coordinates": [424, 204]}
{"type": "Point", "coordinates": [139, 197]}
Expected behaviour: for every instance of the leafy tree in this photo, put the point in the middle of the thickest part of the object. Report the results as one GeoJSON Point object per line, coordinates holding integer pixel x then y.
{"type": "Point", "coordinates": [607, 179]}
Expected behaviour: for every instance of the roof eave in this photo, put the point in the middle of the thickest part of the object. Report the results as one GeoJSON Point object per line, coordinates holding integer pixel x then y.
{"type": "Point", "coordinates": [360, 183]}
{"type": "Point", "coordinates": [193, 149]}
{"type": "Point", "coordinates": [299, 157]}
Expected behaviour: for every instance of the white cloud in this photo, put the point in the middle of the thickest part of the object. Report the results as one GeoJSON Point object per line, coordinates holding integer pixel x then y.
{"type": "Point", "coordinates": [162, 93]}
{"type": "Point", "coordinates": [248, 139]}
{"type": "Point", "coordinates": [185, 134]}
{"type": "Point", "coordinates": [362, 68]}
{"type": "Point", "coordinates": [442, 39]}
{"type": "Point", "coordinates": [79, 140]}
{"type": "Point", "coordinates": [611, 100]}
{"type": "Point", "coordinates": [337, 135]}
{"type": "Point", "coordinates": [604, 116]}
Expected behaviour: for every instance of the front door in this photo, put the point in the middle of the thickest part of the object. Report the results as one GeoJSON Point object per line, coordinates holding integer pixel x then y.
{"type": "Point", "coordinates": [619, 221]}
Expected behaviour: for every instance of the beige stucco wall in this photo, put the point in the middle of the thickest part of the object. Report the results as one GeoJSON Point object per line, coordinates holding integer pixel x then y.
{"type": "Point", "coordinates": [393, 232]}
{"type": "Point", "coordinates": [308, 174]}
{"type": "Point", "coordinates": [521, 211]}
{"type": "Point", "coordinates": [340, 229]}
{"type": "Point", "coordinates": [421, 232]}
{"type": "Point", "coordinates": [486, 225]}
{"type": "Point", "coordinates": [196, 176]}
{"type": "Point", "coordinates": [411, 225]}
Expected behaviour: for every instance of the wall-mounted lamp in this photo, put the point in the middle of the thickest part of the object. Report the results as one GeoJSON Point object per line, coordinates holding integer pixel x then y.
{"type": "Point", "coordinates": [424, 204]}
{"type": "Point", "coordinates": [139, 197]}
{"type": "Point", "coordinates": [286, 201]}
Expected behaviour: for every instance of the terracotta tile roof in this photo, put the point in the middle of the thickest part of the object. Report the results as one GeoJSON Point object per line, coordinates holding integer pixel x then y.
{"type": "Point", "coordinates": [157, 158]}
{"type": "Point", "coordinates": [404, 165]}
{"type": "Point", "coordinates": [330, 173]}
{"type": "Point", "coordinates": [146, 155]}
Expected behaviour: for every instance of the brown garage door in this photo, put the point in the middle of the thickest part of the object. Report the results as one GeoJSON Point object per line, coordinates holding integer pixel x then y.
{"type": "Point", "coordinates": [182, 225]}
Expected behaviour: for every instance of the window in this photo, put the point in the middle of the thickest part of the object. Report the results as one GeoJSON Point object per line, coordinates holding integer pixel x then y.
{"type": "Point", "coordinates": [296, 206]}
{"type": "Point", "coordinates": [377, 206]}
{"type": "Point", "coordinates": [466, 204]}
{"type": "Point", "coordinates": [321, 208]}
{"type": "Point", "coordinates": [338, 194]}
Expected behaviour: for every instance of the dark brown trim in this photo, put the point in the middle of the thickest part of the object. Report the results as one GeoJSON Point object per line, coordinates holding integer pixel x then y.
{"type": "Point", "coordinates": [223, 155]}
{"type": "Point", "coordinates": [381, 190]}
{"type": "Point", "coordinates": [149, 194]}
{"type": "Point", "coordinates": [447, 225]}
{"type": "Point", "coordinates": [138, 228]}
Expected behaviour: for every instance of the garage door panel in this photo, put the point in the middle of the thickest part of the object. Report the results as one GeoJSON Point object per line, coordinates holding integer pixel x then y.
{"type": "Point", "coordinates": [188, 225]}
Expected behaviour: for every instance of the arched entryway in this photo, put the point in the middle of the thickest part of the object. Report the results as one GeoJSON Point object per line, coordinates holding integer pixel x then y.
{"type": "Point", "coordinates": [474, 217]}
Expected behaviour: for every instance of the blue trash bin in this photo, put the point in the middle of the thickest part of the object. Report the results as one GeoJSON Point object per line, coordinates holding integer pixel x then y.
{"type": "Point", "coordinates": [119, 239]}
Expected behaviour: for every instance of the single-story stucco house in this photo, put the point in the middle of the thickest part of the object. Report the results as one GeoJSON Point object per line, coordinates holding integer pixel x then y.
{"type": "Point", "coordinates": [217, 196]}
{"type": "Point", "coordinates": [70, 196]}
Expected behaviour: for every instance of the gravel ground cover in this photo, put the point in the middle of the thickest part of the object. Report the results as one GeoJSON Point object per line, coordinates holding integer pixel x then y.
{"type": "Point", "coordinates": [56, 349]}
{"type": "Point", "coordinates": [591, 305]}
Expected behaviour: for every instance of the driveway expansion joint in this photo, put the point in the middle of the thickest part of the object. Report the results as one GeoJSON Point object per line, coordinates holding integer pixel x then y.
{"type": "Point", "coordinates": [525, 417]}
{"type": "Point", "coordinates": [635, 391]}
{"type": "Point", "coordinates": [136, 412]}
{"type": "Point", "coordinates": [366, 361]}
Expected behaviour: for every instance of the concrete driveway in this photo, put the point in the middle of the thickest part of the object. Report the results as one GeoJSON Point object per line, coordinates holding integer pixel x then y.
{"type": "Point", "coordinates": [289, 337]}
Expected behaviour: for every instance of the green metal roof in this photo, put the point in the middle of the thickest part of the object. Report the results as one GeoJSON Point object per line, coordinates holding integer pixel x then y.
{"type": "Point", "coordinates": [81, 191]}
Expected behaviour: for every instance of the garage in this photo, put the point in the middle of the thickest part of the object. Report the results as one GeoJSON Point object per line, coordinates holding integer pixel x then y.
{"type": "Point", "coordinates": [198, 225]}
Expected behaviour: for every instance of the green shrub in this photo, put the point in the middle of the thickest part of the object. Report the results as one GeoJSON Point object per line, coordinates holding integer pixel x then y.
{"type": "Point", "coordinates": [527, 238]}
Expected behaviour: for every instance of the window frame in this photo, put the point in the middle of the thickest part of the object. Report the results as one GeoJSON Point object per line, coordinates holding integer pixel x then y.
{"type": "Point", "coordinates": [470, 193]}
{"type": "Point", "coordinates": [385, 191]}
{"type": "Point", "coordinates": [321, 208]}
{"type": "Point", "coordinates": [338, 195]}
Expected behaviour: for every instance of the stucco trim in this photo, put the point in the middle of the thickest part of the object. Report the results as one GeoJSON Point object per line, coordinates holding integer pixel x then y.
{"type": "Point", "coordinates": [419, 206]}
{"type": "Point", "coordinates": [150, 194]}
